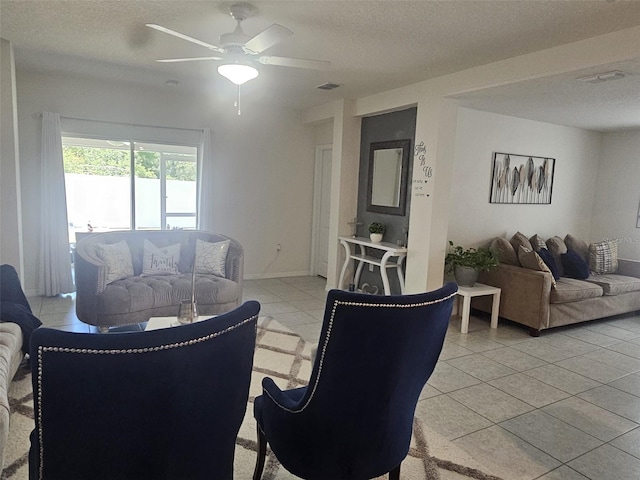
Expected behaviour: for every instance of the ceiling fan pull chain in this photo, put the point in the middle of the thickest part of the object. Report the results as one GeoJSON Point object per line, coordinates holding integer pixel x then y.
{"type": "Point", "coordinates": [238, 100]}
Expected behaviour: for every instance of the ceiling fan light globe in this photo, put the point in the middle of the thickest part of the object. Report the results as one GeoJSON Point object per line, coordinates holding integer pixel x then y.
{"type": "Point", "coordinates": [237, 73]}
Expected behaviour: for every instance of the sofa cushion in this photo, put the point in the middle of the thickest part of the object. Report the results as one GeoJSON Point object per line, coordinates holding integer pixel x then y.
{"type": "Point", "coordinates": [531, 260]}
{"type": "Point", "coordinates": [117, 260]}
{"type": "Point", "coordinates": [519, 239]}
{"type": "Point", "coordinates": [615, 284]}
{"type": "Point", "coordinates": [603, 256]}
{"type": "Point", "coordinates": [504, 251]}
{"type": "Point", "coordinates": [211, 257]}
{"type": "Point", "coordinates": [572, 290]}
{"type": "Point", "coordinates": [537, 242]}
{"type": "Point", "coordinates": [557, 247]}
{"type": "Point", "coordinates": [160, 261]}
{"type": "Point", "coordinates": [578, 246]}
{"type": "Point", "coordinates": [135, 294]}
{"type": "Point", "coordinates": [574, 265]}
{"type": "Point", "coordinates": [547, 258]}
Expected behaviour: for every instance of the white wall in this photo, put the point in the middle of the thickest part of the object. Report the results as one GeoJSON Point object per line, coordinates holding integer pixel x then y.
{"type": "Point", "coordinates": [11, 251]}
{"type": "Point", "coordinates": [617, 193]}
{"type": "Point", "coordinates": [256, 155]}
{"type": "Point", "coordinates": [474, 221]}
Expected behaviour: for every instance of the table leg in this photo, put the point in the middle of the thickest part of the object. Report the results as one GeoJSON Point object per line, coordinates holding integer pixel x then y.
{"type": "Point", "coordinates": [466, 307]}
{"type": "Point", "coordinates": [495, 307]}
{"type": "Point", "coordinates": [383, 273]}
{"type": "Point", "coordinates": [356, 279]}
{"type": "Point", "coordinates": [400, 274]}
{"type": "Point", "coordinates": [347, 250]}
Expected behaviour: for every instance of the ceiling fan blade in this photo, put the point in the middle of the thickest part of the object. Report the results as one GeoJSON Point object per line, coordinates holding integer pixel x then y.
{"type": "Point", "coordinates": [267, 38]}
{"type": "Point", "coordinates": [191, 59]}
{"type": "Point", "coordinates": [294, 62]}
{"type": "Point", "coordinates": [185, 37]}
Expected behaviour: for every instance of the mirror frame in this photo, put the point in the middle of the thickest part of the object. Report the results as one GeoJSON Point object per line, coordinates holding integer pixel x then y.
{"type": "Point", "coordinates": [400, 209]}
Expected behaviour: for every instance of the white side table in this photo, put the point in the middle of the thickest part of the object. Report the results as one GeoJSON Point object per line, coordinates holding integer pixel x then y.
{"type": "Point", "coordinates": [479, 289]}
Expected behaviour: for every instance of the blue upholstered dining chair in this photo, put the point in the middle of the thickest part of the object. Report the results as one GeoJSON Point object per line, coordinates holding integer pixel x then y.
{"type": "Point", "coordinates": [355, 417]}
{"type": "Point", "coordinates": [162, 404]}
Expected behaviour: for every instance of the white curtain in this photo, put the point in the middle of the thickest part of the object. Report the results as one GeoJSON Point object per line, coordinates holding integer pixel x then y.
{"type": "Point", "coordinates": [205, 182]}
{"type": "Point", "coordinates": [55, 257]}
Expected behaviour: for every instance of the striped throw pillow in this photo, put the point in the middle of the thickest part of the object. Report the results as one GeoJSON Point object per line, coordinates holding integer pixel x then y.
{"type": "Point", "coordinates": [603, 256]}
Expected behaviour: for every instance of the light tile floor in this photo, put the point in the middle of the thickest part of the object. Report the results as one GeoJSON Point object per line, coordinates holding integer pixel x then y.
{"type": "Point", "coordinates": [565, 405]}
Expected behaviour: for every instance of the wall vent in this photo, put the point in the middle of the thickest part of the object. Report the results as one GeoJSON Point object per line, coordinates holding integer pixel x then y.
{"type": "Point", "coordinates": [328, 86]}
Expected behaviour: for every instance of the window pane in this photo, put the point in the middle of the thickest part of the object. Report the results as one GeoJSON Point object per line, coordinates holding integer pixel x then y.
{"type": "Point", "coordinates": [177, 165]}
{"type": "Point", "coordinates": [97, 174]}
{"type": "Point", "coordinates": [148, 188]}
{"type": "Point", "coordinates": [183, 223]}
{"type": "Point", "coordinates": [181, 185]}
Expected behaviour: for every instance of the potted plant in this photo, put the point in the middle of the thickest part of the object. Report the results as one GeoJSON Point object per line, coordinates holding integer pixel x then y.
{"type": "Point", "coordinates": [376, 231]}
{"type": "Point", "coordinates": [467, 263]}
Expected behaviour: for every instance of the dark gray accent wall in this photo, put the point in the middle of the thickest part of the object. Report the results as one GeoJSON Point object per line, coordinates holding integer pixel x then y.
{"type": "Point", "coordinates": [389, 126]}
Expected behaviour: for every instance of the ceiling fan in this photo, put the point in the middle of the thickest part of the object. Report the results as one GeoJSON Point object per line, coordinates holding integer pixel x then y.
{"type": "Point", "coordinates": [240, 52]}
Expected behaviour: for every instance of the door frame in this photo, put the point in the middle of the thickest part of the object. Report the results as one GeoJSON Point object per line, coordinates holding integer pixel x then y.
{"type": "Point", "coordinates": [317, 197]}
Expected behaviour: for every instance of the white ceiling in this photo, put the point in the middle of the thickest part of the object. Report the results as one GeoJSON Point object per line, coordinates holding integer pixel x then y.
{"type": "Point", "coordinates": [373, 46]}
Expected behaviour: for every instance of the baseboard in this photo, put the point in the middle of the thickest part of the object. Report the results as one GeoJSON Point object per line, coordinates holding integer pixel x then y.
{"type": "Point", "coordinates": [260, 276]}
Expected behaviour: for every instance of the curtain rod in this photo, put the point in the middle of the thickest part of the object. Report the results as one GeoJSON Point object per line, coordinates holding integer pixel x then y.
{"type": "Point", "coordinates": [39, 115]}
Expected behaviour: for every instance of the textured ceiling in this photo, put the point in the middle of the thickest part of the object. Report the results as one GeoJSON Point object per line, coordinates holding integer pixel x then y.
{"type": "Point", "coordinates": [373, 46]}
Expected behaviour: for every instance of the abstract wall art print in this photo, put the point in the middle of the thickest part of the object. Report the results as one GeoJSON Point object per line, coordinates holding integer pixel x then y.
{"type": "Point", "coordinates": [521, 179]}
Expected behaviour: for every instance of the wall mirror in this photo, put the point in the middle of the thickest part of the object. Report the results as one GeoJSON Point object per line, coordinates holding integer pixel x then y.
{"type": "Point", "coordinates": [387, 182]}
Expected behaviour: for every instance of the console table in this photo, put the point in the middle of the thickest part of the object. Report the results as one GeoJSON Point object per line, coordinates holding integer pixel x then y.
{"type": "Point", "coordinates": [390, 250]}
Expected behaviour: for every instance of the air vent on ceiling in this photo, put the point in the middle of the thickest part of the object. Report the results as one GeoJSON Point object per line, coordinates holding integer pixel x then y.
{"type": "Point", "coordinates": [603, 77]}
{"type": "Point", "coordinates": [328, 86]}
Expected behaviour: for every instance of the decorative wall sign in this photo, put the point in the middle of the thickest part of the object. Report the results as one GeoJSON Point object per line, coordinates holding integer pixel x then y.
{"type": "Point", "coordinates": [521, 179]}
{"type": "Point", "coordinates": [420, 181]}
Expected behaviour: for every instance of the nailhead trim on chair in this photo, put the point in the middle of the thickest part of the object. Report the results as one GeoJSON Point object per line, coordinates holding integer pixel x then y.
{"type": "Point", "coordinates": [326, 342]}
{"type": "Point", "coordinates": [43, 349]}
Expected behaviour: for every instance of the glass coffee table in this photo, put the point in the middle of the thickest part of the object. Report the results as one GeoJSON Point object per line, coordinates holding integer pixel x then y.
{"type": "Point", "coordinates": [156, 323]}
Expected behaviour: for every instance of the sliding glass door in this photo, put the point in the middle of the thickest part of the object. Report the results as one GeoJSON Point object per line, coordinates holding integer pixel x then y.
{"type": "Point", "coordinates": [122, 184]}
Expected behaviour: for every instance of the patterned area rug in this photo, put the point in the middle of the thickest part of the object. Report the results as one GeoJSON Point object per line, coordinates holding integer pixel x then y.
{"type": "Point", "coordinates": [285, 357]}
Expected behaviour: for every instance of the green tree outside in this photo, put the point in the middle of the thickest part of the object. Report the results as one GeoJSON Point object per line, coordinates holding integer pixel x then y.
{"type": "Point", "coordinates": [115, 163]}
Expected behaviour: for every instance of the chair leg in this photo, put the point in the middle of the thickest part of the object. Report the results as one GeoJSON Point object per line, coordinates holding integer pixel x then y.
{"type": "Point", "coordinates": [395, 473]}
{"type": "Point", "coordinates": [262, 453]}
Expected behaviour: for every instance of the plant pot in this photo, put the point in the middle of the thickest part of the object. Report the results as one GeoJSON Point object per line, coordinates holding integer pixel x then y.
{"type": "Point", "coordinates": [466, 276]}
{"type": "Point", "coordinates": [375, 237]}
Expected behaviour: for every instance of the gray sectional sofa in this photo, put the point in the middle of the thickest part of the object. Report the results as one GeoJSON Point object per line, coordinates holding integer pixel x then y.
{"type": "Point", "coordinates": [138, 297]}
{"type": "Point", "coordinates": [532, 297]}
{"type": "Point", "coordinates": [10, 357]}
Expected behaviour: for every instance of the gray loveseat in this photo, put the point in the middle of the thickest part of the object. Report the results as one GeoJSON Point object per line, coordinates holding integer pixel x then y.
{"type": "Point", "coordinates": [529, 296]}
{"type": "Point", "coordinates": [136, 298]}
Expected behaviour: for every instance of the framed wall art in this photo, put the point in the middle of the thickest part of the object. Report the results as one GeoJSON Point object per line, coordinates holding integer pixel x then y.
{"type": "Point", "coordinates": [521, 179]}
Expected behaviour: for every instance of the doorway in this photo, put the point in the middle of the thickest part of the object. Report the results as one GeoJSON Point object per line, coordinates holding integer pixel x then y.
{"type": "Point", "coordinates": [321, 211]}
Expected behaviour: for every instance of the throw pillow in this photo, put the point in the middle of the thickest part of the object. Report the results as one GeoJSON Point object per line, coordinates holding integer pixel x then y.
{"type": "Point", "coordinates": [117, 260]}
{"type": "Point", "coordinates": [603, 256]}
{"type": "Point", "coordinates": [547, 258]}
{"type": "Point", "coordinates": [519, 239]}
{"type": "Point", "coordinates": [537, 242]}
{"type": "Point", "coordinates": [557, 247]}
{"type": "Point", "coordinates": [574, 265]}
{"type": "Point", "coordinates": [578, 246]}
{"type": "Point", "coordinates": [531, 260]}
{"type": "Point", "coordinates": [505, 252]}
{"type": "Point", "coordinates": [160, 261]}
{"type": "Point", "coordinates": [211, 257]}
